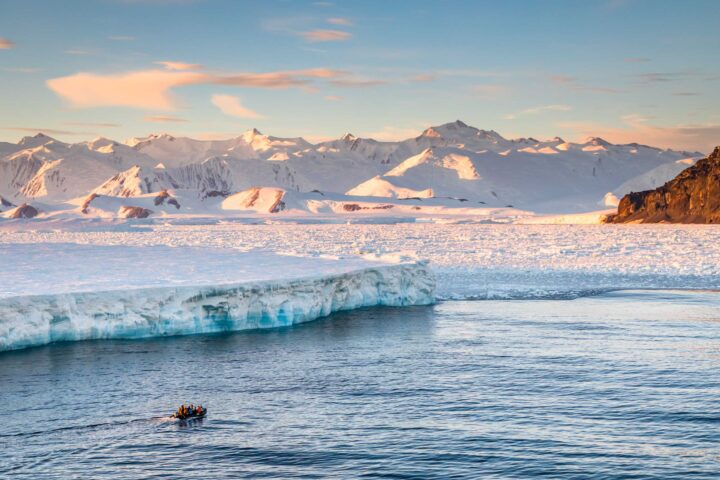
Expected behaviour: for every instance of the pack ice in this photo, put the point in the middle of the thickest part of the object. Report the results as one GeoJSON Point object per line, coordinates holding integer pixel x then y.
{"type": "Point", "coordinates": [59, 292]}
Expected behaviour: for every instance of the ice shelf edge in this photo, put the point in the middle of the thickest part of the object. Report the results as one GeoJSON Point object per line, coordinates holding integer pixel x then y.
{"type": "Point", "coordinates": [27, 321]}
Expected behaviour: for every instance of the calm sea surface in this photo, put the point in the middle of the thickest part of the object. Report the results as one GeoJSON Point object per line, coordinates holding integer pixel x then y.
{"type": "Point", "coordinates": [623, 385]}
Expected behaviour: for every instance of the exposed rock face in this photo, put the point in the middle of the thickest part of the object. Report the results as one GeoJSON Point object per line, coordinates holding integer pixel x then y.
{"type": "Point", "coordinates": [5, 203]}
{"type": "Point", "coordinates": [24, 211]}
{"type": "Point", "coordinates": [86, 204]}
{"type": "Point", "coordinates": [691, 197]}
{"type": "Point", "coordinates": [215, 193]}
{"type": "Point", "coordinates": [134, 212]}
{"type": "Point", "coordinates": [164, 196]}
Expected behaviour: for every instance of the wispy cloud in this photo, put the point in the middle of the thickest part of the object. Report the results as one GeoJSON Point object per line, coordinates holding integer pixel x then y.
{"type": "Point", "coordinates": [423, 77]}
{"type": "Point", "coordinates": [164, 119]}
{"type": "Point", "coordinates": [356, 82]}
{"type": "Point", "coordinates": [121, 38]}
{"type": "Point", "coordinates": [230, 105]}
{"type": "Point", "coordinates": [339, 21]}
{"type": "Point", "coordinates": [179, 65]}
{"type": "Point", "coordinates": [326, 36]}
{"type": "Point", "coordinates": [662, 77]}
{"type": "Point", "coordinates": [471, 72]}
{"type": "Point", "coordinates": [286, 79]}
{"type": "Point", "coordinates": [6, 44]}
{"type": "Point", "coordinates": [539, 109]}
{"type": "Point", "coordinates": [636, 119]}
{"type": "Point", "coordinates": [333, 98]}
{"type": "Point", "coordinates": [48, 131]}
{"type": "Point", "coordinates": [576, 84]}
{"type": "Point", "coordinates": [93, 124]}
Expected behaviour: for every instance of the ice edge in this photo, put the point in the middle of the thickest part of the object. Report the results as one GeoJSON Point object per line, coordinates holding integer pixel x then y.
{"type": "Point", "coordinates": [27, 321]}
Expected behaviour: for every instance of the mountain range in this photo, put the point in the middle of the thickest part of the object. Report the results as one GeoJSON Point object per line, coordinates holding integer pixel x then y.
{"type": "Point", "coordinates": [446, 166]}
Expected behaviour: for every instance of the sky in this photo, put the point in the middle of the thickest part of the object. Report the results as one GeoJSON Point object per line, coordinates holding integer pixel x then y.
{"type": "Point", "coordinates": [642, 71]}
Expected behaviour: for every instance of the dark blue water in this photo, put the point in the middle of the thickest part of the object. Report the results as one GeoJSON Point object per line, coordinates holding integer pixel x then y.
{"type": "Point", "coordinates": [624, 385]}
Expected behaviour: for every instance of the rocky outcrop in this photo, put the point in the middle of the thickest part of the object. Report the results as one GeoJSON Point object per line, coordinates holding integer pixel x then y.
{"type": "Point", "coordinates": [691, 197]}
{"type": "Point", "coordinates": [163, 197]}
{"type": "Point", "coordinates": [85, 208]}
{"type": "Point", "coordinates": [24, 211]}
{"type": "Point", "coordinates": [215, 193]}
{"type": "Point", "coordinates": [5, 203]}
{"type": "Point", "coordinates": [134, 212]}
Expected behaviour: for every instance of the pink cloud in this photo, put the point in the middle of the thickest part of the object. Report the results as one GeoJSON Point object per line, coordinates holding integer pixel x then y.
{"type": "Point", "coordinates": [339, 21]}
{"type": "Point", "coordinates": [326, 36]}
{"type": "Point", "coordinates": [164, 119]}
{"type": "Point", "coordinates": [423, 77]}
{"type": "Point", "coordinates": [151, 89]}
{"type": "Point", "coordinates": [6, 44]}
{"type": "Point", "coordinates": [179, 65]}
{"type": "Point", "coordinates": [144, 89]}
{"type": "Point", "coordinates": [230, 105]}
{"type": "Point", "coordinates": [292, 78]}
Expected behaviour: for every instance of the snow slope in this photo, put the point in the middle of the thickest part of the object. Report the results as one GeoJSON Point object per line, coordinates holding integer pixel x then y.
{"type": "Point", "coordinates": [52, 171]}
{"type": "Point", "coordinates": [59, 292]}
{"type": "Point", "coordinates": [449, 161]}
{"type": "Point", "coordinates": [575, 180]}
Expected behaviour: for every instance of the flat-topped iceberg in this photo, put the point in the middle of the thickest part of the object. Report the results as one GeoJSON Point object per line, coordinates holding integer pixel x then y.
{"type": "Point", "coordinates": [62, 292]}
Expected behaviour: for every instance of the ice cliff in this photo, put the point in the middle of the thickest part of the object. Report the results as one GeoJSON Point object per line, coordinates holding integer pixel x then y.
{"type": "Point", "coordinates": [31, 320]}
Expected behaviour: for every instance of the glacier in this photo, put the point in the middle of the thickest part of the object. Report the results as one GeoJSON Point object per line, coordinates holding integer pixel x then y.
{"type": "Point", "coordinates": [276, 292]}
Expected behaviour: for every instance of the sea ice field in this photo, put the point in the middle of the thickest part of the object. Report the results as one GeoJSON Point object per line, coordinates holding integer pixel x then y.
{"type": "Point", "coordinates": [469, 261]}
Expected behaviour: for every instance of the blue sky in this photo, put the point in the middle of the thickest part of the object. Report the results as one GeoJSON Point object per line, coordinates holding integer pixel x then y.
{"type": "Point", "coordinates": [627, 70]}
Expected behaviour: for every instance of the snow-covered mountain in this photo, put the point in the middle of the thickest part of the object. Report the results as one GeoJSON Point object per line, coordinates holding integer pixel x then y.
{"type": "Point", "coordinates": [453, 161]}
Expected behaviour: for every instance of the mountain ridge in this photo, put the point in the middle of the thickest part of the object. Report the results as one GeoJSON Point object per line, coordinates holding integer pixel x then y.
{"type": "Point", "coordinates": [452, 160]}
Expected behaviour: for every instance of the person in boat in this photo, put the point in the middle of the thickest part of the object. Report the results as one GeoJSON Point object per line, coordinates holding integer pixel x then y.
{"type": "Point", "coordinates": [187, 411]}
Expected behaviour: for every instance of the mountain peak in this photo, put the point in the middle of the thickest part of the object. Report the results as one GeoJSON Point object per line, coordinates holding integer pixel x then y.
{"type": "Point", "coordinates": [348, 137]}
{"type": "Point", "coordinates": [252, 132]}
{"type": "Point", "coordinates": [250, 135]}
{"type": "Point", "coordinates": [598, 141]}
{"type": "Point", "coordinates": [36, 139]}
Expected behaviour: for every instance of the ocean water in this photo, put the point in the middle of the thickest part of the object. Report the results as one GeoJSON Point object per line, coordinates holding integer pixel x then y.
{"type": "Point", "coordinates": [620, 385]}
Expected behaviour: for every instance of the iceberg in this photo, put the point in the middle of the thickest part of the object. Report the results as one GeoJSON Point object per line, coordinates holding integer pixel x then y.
{"type": "Point", "coordinates": [275, 291]}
